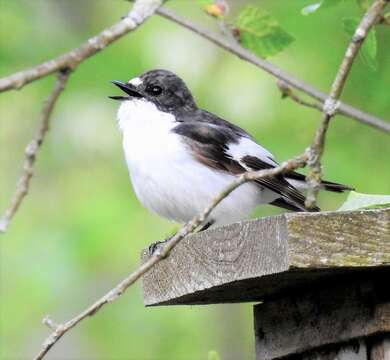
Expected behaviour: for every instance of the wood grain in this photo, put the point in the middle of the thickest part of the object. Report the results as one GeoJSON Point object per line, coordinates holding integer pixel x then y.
{"type": "Point", "coordinates": [267, 257]}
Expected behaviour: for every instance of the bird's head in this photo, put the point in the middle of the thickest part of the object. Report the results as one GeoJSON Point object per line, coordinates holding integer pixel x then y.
{"type": "Point", "coordinates": [161, 87]}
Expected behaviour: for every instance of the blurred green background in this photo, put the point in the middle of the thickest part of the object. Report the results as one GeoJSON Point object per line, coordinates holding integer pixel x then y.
{"type": "Point", "coordinates": [81, 229]}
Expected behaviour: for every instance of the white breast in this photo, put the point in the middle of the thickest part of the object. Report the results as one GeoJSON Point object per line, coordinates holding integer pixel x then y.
{"type": "Point", "coordinates": [166, 177]}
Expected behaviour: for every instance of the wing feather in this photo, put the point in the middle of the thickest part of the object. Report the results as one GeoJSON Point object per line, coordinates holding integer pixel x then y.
{"type": "Point", "coordinates": [231, 149]}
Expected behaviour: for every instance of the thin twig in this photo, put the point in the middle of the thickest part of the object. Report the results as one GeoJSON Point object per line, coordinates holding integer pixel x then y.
{"type": "Point", "coordinates": [287, 91]}
{"type": "Point", "coordinates": [32, 150]}
{"type": "Point", "coordinates": [162, 252]}
{"type": "Point", "coordinates": [73, 58]}
{"type": "Point", "coordinates": [65, 63]}
{"type": "Point", "coordinates": [139, 13]}
{"type": "Point", "coordinates": [332, 104]}
{"type": "Point", "coordinates": [246, 55]}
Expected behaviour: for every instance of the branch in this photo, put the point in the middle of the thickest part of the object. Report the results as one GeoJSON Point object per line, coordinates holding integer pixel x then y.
{"type": "Point", "coordinates": [287, 91]}
{"type": "Point", "coordinates": [332, 104]}
{"type": "Point", "coordinates": [63, 64]}
{"type": "Point", "coordinates": [161, 253]}
{"type": "Point", "coordinates": [141, 10]}
{"type": "Point", "coordinates": [32, 150]}
{"type": "Point", "coordinates": [97, 43]}
{"type": "Point", "coordinates": [273, 70]}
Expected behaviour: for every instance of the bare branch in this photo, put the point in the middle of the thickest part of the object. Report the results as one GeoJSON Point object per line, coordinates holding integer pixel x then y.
{"type": "Point", "coordinates": [141, 10]}
{"type": "Point", "coordinates": [246, 55]}
{"type": "Point", "coordinates": [32, 150]}
{"type": "Point", "coordinates": [332, 104]}
{"type": "Point", "coordinates": [287, 91]}
{"type": "Point", "coordinates": [97, 43]}
{"type": "Point", "coordinates": [161, 253]}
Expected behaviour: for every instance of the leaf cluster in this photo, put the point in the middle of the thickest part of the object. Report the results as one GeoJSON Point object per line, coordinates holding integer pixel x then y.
{"type": "Point", "coordinates": [258, 31]}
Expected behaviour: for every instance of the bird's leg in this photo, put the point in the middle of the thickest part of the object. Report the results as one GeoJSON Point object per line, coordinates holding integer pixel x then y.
{"type": "Point", "coordinates": [154, 246]}
{"type": "Point", "coordinates": [206, 226]}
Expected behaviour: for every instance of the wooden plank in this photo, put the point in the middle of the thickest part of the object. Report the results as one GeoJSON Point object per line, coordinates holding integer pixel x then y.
{"type": "Point", "coordinates": [331, 315]}
{"type": "Point", "coordinates": [266, 257]}
{"type": "Point", "coordinates": [339, 239]}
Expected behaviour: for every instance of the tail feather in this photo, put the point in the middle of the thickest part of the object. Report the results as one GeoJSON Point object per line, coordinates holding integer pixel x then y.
{"type": "Point", "coordinates": [335, 187]}
{"type": "Point", "coordinates": [288, 205]}
{"type": "Point", "coordinates": [298, 181]}
{"type": "Point", "coordinates": [327, 185]}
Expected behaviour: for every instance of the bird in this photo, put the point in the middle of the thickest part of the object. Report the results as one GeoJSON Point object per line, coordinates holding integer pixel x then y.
{"type": "Point", "coordinates": [180, 156]}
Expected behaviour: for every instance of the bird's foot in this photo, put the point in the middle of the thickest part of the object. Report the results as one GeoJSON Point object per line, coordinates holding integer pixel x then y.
{"type": "Point", "coordinates": [156, 246]}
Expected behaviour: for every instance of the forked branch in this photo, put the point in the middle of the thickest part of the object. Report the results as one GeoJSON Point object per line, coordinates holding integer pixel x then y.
{"type": "Point", "coordinates": [73, 58]}
{"type": "Point", "coordinates": [32, 150]}
{"type": "Point", "coordinates": [236, 49]}
{"type": "Point", "coordinates": [332, 104]}
{"type": "Point", "coordinates": [141, 11]}
{"type": "Point", "coordinates": [161, 253]}
{"type": "Point", "coordinates": [63, 64]}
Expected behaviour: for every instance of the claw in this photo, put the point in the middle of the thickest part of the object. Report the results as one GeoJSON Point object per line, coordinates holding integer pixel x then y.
{"type": "Point", "coordinates": [155, 246]}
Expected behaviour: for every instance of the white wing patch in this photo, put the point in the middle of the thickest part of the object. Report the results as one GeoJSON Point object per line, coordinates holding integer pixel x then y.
{"type": "Point", "coordinates": [136, 81]}
{"type": "Point", "coordinates": [247, 147]}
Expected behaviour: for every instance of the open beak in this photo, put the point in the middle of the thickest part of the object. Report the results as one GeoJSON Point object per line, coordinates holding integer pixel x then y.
{"type": "Point", "coordinates": [128, 89]}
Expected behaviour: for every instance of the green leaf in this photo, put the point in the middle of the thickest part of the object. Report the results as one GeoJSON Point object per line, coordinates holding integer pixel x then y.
{"type": "Point", "coordinates": [357, 201]}
{"type": "Point", "coordinates": [213, 355]}
{"type": "Point", "coordinates": [369, 48]}
{"type": "Point", "coordinates": [309, 9]}
{"type": "Point", "coordinates": [259, 32]}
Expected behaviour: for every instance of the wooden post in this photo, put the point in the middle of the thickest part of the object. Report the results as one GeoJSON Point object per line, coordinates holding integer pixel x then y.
{"type": "Point", "coordinates": [323, 279]}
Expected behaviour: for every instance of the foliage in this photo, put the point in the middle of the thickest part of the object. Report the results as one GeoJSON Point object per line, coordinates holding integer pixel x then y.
{"type": "Point", "coordinates": [356, 201]}
{"type": "Point", "coordinates": [309, 9]}
{"type": "Point", "coordinates": [253, 27]}
{"type": "Point", "coordinates": [259, 32]}
{"type": "Point", "coordinates": [368, 51]}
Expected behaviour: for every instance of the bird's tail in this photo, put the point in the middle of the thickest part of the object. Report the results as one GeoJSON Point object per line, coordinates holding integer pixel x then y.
{"type": "Point", "coordinates": [298, 181]}
{"type": "Point", "coordinates": [335, 187]}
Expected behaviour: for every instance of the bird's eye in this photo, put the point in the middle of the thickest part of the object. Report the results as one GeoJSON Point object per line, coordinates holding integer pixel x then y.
{"type": "Point", "coordinates": [154, 90]}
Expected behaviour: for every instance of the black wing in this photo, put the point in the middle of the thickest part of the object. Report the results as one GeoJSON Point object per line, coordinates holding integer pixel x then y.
{"type": "Point", "coordinates": [209, 145]}
{"type": "Point", "coordinates": [209, 142]}
{"type": "Point", "coordinates": [291, 198]}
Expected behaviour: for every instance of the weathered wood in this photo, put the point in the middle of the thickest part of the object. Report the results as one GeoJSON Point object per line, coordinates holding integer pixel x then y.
{"type": "Point", "coordinates": [331, 315]}
{"type": "Point", "coordinates": [267, 257]}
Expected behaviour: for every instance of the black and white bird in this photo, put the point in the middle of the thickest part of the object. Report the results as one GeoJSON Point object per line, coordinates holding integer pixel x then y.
{"type": "Point", "coordinates": [180, 156]}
